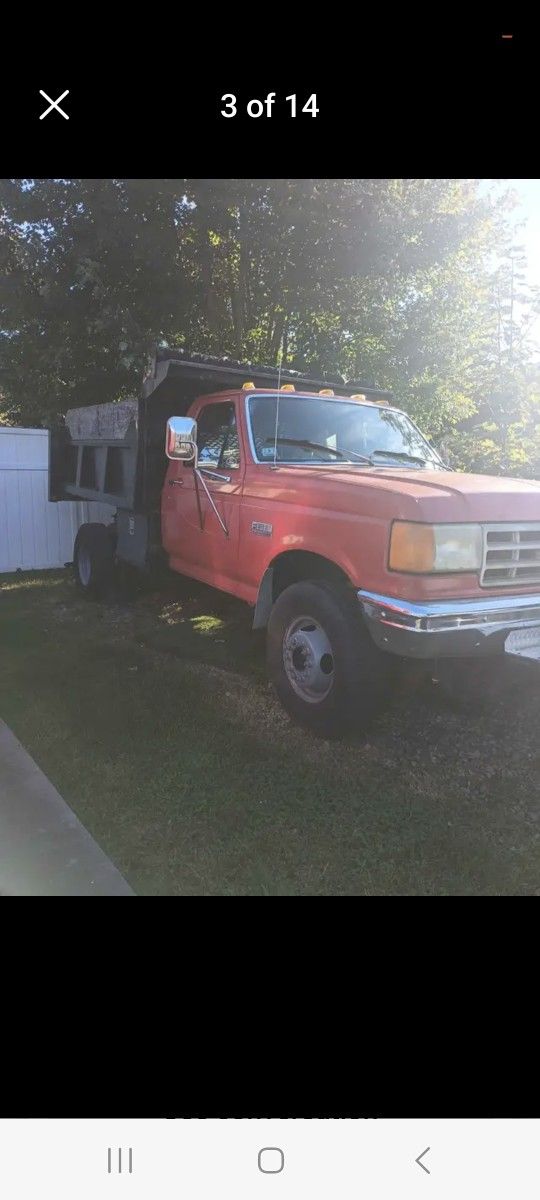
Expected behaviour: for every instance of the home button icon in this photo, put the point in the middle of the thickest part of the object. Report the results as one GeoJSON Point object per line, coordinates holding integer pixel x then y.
{"type": "Point", "coordinates": [271, 1160]}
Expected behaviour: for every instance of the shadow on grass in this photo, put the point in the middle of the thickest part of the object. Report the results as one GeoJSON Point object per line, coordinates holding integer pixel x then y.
{"type": "Point", "coordinates": [154, 719]}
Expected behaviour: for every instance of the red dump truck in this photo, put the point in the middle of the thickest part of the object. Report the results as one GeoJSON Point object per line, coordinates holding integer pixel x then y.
{"type": "Point", "coordinates": [322, 506]}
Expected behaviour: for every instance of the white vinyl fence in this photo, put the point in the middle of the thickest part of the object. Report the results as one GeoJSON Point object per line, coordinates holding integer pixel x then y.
{"type": "Point", "coordinates": [34, 533]}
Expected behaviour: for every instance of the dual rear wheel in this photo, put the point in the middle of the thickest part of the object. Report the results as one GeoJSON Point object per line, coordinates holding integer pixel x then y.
{"type": "Point", "coordinates": [93, 559]}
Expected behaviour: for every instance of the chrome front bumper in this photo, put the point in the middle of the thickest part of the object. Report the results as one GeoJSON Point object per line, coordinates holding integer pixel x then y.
{"type": "Point", "coordinates": [447, 628]}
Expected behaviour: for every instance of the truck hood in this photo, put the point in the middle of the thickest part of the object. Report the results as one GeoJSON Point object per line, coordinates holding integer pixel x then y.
{"type": "Point", "coordinates": [420, 495]}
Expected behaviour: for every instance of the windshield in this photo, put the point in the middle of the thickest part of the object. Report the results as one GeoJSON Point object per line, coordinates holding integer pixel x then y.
{"type": "Point", "coordinates": [315, 430]}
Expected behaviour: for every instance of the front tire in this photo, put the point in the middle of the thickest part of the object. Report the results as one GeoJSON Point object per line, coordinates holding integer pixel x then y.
{"type": "Point", "coordinates": [93, 560]}
{"type": "Point", "coordinates": [326, 670]}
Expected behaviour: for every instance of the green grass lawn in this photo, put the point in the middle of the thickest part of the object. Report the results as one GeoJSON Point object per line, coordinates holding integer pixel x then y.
{"type": "Point", "coordinates": [154, 719]}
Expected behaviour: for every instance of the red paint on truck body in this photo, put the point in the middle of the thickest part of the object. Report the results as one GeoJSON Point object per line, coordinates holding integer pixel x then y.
{"type": "Point", "coordinates": [341, 512]}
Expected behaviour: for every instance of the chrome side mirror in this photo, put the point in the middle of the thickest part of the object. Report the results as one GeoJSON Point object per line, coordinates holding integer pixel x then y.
{"type": "Point", "coordinates": [181, 439]}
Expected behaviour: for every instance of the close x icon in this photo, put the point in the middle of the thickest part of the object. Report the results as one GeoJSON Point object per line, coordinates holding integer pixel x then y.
{"type": "Point", "coordinates": [54, 105]}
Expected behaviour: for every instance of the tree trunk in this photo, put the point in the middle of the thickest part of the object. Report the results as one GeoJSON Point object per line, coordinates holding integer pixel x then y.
{"type": "Point", "coordinates": [236, 310]}
{"type": "Point", "coordinates": [285, 341]}
{"type": "Point", "coordinates": [206, 259]}
{"type": "Point", "coordinates": [277, 336]}
{"type": "Point", "coordinates": [244, 270]}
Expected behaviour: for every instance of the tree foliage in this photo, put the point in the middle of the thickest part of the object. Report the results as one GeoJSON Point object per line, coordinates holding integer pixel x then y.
{"type": "Point", "coordinates": [408, 284]}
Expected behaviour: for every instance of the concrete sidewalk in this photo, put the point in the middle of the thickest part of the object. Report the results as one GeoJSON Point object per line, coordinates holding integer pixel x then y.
{"type": "Point", "coordinates": [44, 849]}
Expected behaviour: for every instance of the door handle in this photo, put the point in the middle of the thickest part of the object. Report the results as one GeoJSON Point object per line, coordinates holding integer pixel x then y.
{"type": "Point", "coordinates": [176, 482]}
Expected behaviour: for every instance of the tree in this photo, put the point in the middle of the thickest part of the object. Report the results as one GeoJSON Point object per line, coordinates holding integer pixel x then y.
{"type": "Point", "coordinates": [387, 280]}
{"type": "Point", "coordinates": [91, 276]}
{"type": "Point", "coordinates": [501, 433]}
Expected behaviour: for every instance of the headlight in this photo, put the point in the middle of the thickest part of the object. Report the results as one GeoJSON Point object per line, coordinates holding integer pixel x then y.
{"type": "Point", "coordinates": [421, 549]}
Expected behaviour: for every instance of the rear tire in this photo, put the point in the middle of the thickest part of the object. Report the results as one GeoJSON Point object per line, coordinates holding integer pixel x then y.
{"type": "Point", "coordinates": [93, 560]}
{"type": "Point", "coordinates": [326, 670]}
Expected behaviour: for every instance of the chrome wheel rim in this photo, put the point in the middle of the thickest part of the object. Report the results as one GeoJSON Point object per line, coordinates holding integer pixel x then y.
{"type": "Point", "coordinates": [308, 659]}
{"type": "Point", "coordinates": [84, 566]}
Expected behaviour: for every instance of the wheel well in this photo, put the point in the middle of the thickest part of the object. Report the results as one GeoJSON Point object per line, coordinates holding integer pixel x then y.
{"type": "Point", "coordinates": [291, 567]}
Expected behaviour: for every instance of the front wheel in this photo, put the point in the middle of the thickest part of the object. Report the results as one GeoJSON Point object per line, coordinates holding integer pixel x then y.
{"type": "Point", "coordinates": [326, 670]}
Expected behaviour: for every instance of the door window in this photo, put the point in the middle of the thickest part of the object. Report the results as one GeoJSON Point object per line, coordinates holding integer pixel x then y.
{"type": "Point", "coordinates": [217, 436]}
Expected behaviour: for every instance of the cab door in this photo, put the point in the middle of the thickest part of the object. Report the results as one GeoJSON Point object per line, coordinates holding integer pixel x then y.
{"type": "Point", "coordinates": [201, 508]}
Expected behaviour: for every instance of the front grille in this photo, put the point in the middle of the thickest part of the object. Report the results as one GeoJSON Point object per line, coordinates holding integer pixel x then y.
{"type": "Point", "coordinates": [511, 555]}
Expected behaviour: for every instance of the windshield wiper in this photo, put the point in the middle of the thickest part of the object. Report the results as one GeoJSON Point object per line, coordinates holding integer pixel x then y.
{"type": "Point", "coordinates": [316, 446]}
{"type": "Point", "coordinates": [363, 458]}
{"type": "Point", "coordinates": [398, 454]}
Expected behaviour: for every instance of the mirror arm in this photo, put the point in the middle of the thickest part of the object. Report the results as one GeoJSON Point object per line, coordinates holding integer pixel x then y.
{"type": "Point", "coordinates": [203, 481]}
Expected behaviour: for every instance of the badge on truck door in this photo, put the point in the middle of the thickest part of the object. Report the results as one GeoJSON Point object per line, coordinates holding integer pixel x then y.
{"type": "Point", "coordinates": [262, 528]}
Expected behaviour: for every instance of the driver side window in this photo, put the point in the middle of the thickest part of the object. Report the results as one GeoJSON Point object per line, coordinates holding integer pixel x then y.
{"type": "Point", "coordinates": [217, 436]}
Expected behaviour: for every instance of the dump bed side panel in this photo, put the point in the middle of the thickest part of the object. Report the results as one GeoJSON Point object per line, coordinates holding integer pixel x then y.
{"type": "Point", "coordinates": [95, 455]}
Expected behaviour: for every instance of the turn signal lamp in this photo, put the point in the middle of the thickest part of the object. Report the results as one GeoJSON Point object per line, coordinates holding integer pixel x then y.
{"type": "Point", "coordinates": [287, 387]}
{"type": "Point", "coordinates": [248, 387]}
{"type": "Point", "coordinates": [326, 392]}
{"type": "Point", "coordinates": [422, 549]}
{"type": "Point", "coordinates": [412, 547]}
